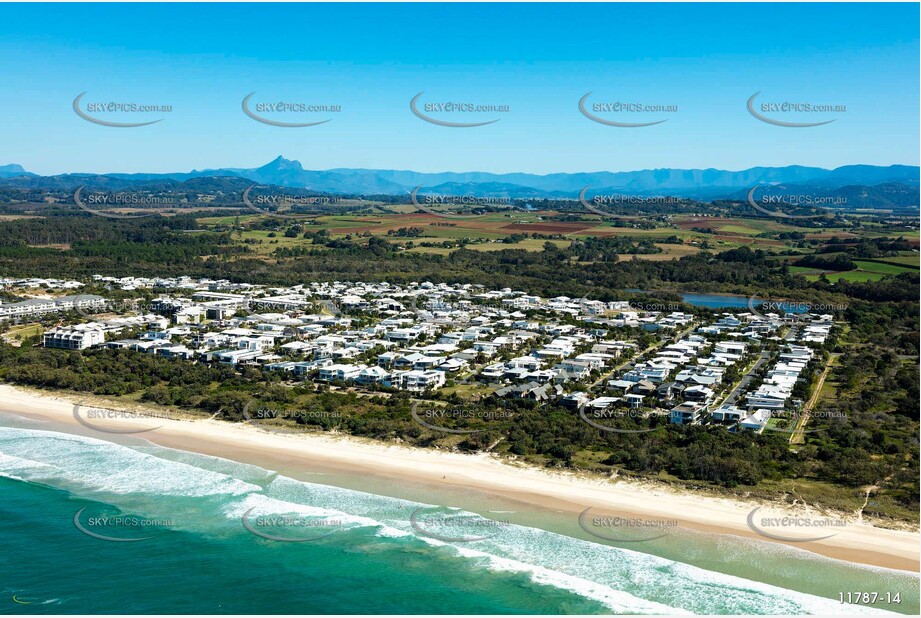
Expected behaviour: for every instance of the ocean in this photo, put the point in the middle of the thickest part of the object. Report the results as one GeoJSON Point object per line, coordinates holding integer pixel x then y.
{"type": "Point", "coordinates": [99, 526]}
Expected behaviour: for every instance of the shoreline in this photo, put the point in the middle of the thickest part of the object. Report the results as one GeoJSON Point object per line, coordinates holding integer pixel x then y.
{"type": "Point", "coordinates": [857, 542]}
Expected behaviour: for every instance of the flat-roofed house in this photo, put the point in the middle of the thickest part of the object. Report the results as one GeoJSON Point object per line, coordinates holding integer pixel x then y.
{"type": "Point", "coordinates": [688, 413]}
{"type": "Point", "coordinates": [77, 337]}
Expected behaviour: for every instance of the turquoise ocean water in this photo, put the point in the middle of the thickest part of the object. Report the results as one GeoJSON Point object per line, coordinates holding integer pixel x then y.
{"type": "Point", "coordinates": [336, 548]}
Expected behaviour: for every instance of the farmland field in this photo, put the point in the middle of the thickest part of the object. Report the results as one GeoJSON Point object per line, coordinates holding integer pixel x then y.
{"type": "Point", "coordinates": [866, 271]}
{"type": "Point", "coordinates": [531, 244]}
{"type": "Point", "coordinates": [406, 225]}
{"type": "Point", "coordinates": [903, 260]}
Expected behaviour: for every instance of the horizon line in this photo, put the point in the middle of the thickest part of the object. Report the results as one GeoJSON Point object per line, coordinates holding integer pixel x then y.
{"type": "Point", "coordinates": [394, 169]}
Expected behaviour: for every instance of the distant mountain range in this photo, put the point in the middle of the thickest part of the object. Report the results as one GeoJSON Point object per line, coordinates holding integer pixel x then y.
{"type": "Point", "coordinates": [12, 170]}
{"type": "Point", "coordinates": [896, 183]}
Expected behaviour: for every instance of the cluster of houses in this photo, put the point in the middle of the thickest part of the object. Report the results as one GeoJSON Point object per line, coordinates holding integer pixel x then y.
{"type": "Point", "coordinates": [816, 329]}
{"type": "Point", "coordinates": [31, 283]}
{"type": "Point", "coordinates": [412, 337]}
{"type": "Point", "coordinates": [685, 379]}
{"type": "Point", "coordinates": [172, 283]}
{"type": "Point", "coordinates": [682, 376]}
{"type": "Point", "coordinates": [416, 337]}
{"type": "Point", "coordinates": [89, 334]}
{"type": "Point", "coordinates": [777, 387]}
{"type": "Point", "coordinates": [37, 307]}
{"type": "Point", "coordinates": [775, 394]}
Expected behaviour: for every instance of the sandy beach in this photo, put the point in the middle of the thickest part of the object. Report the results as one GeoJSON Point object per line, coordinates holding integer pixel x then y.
{"type": "Point", "coordinates": [857, 542]}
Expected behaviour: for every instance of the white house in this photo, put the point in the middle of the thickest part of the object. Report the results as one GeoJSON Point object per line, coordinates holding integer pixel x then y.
{"type": "Point", "coordinates": [77, 337]}
{"type": "Point", "coordinates": [371, 375]}
{"type": "Point", "coordinates": [340, 373]}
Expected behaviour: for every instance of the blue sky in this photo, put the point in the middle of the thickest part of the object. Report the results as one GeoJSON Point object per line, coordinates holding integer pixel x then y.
{"type": "Point", "coordinates": [539, 60]}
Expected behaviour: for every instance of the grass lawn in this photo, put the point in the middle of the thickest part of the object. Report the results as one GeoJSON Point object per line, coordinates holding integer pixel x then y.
{"type": "Point", "coordinates": [804, 270]}
{"type": "Point", "coordinates": [851, 276]}
{"type": "Point", "coordinates": [467, 391]}
{"type": "Point", "coordinates": [531, 244]}
{"type": "Point", "coordinates": [17, 333]}
{"type": "Point", "coordinates": [904, 260]}
{"type": "Point", "coordinates": [878, 267]}
{"type": "Point", "coordinates": [739, 229]}
{"type": "Point", "coordinates": [268, 245]}
{"type": "Point", "coordinates": [243, 220]}
{"type": "Point", "coordinates": [669, 252]}
{"type": "Point", "coordinates": [865, 271]}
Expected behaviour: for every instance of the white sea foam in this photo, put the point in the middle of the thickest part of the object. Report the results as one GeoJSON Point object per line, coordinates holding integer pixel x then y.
{"type": "Point", "coordinates": [618, 601]}
{"type": "Point", "coordinates": [260, 505]}
{"type": "Point", "coordinates": [19, 468]}
{"type": "Point", "coordinates": [79, 462]}
{"type": "Point", "coordinates": [624, 580]}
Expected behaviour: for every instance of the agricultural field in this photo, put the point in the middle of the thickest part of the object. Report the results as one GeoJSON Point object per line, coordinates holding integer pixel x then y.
{"type": "Point", "coordinates": [880, 267]}
{"type": "Point", "coordinates": [264, 244]}
{"type": "Point", "coordinates": [865, 271]}
{"type": "Point", "coordinates": [911, 260]}
{"type": "Point", "coordinates": [531, 244]}
{"type": "Point", "coordinates": [669, 252]}
{"type": "Point", "coordinates": [242, 219]}
{"type": "Point", "coordinates": [716, 234]}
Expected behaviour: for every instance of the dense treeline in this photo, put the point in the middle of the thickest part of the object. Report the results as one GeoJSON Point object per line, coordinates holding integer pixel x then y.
{"type": "Point", "coordinates": [589, 268]}
{"type": "Point", "coordinates": [869, 435]}
{"type": "Point", "coordinates": [872, 442]}
{"type": "Point", "coordinates": [870, 439]}
{"type": "Point", "coordinates": [87, 228]}
{"type": "Point", "coordinates": [867, 247]}
{"type": "Point", "coordinates": [836, 262]}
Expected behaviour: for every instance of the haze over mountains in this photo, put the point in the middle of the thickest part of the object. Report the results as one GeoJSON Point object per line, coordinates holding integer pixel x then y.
{"type": "Point", "coordinates": [704, 184]}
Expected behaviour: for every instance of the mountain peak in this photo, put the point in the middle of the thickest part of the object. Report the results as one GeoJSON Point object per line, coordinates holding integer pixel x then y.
{"type": "Point", "coordinates": [12, 170]}
{"type": "Point", "coordinates": [280, 163]}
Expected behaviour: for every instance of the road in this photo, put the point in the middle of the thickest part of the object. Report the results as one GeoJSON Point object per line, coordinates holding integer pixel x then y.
{"type": "Point", "coordinates": [732, 397]}
{"type": "Point", "coordinates": [641, 356]}
{"type": "Point", "coordinates": [799, 434]}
